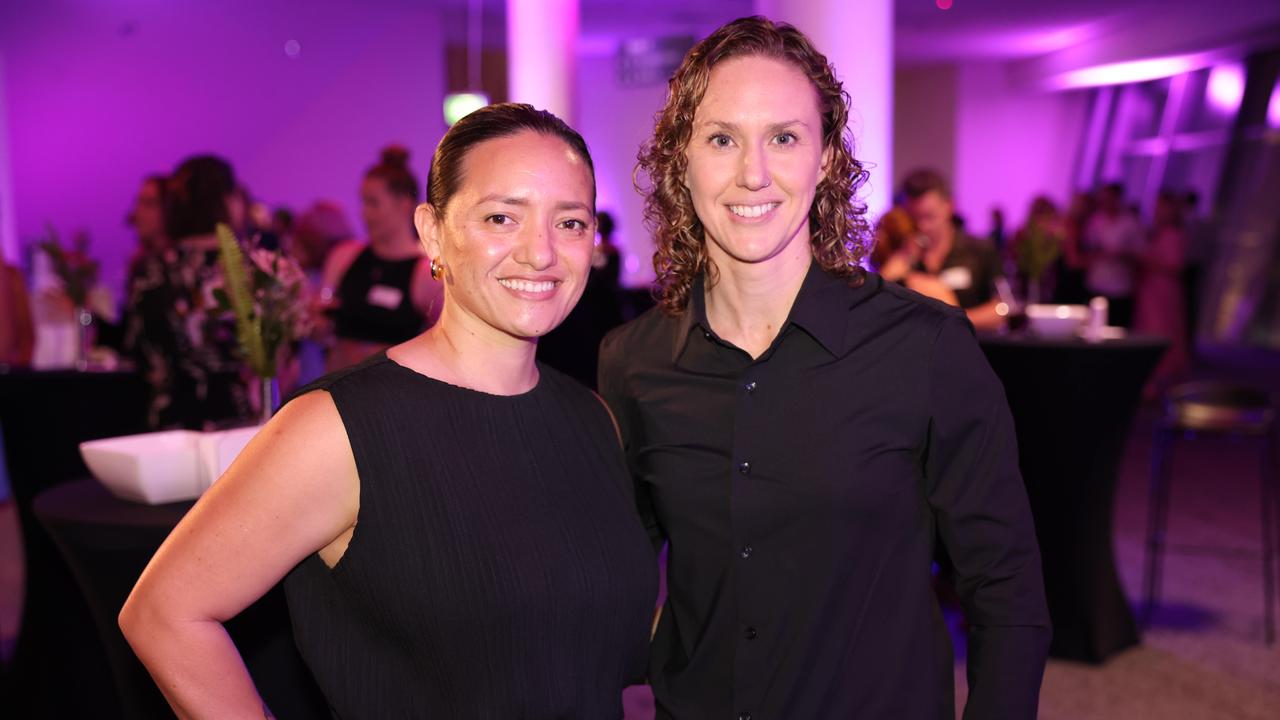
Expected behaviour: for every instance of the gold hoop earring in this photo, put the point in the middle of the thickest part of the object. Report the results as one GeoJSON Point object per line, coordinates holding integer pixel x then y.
{"type": "Point", "coordinates": [437, 269]}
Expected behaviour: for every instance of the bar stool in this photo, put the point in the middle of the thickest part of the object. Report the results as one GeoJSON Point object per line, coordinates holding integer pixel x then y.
{"type": "Point", "coordinates": [1213, 408]}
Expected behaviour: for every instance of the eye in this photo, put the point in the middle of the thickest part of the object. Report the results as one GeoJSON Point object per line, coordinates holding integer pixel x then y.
{"type": "Point", "coordinates": [787, 138]}
{"type": "Point", "coordinates": [574, 224]}
{"type": "Point", "coordinates": [720, 140]}
{"type": "Point", "coordinates": [498, 219]}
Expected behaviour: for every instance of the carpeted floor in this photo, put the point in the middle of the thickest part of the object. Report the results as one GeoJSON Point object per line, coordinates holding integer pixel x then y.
{"type": "Point", "coordinates": [1204, 656]}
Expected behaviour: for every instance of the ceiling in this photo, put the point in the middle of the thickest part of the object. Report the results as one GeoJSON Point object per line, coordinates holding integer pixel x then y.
{"type": "Point", "coordinates": [1083, 31]}
{"type": "Point", "coordinates": [970, 29]}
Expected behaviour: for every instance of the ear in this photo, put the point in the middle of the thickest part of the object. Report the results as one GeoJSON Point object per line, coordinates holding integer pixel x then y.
{"type": "Point", "coordinates": [427, 223]}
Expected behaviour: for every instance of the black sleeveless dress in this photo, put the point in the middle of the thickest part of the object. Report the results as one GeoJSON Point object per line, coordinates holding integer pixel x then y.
{"type": "Point", "coordinates": [497, 570]}
{"type": "Point", "coordinates": [375, 300]}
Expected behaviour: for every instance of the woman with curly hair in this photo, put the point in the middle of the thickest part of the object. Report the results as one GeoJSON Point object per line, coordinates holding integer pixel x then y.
{"type": "Point", "coordinates": [803, 434]}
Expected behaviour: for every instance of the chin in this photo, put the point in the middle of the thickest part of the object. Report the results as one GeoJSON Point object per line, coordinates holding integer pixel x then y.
{"type": "Point", "coordinates": [760, 248]}
{"type": "Point", "coordinates": [753, 252]}
{"type": "Point", "coordinates": [534, 329]}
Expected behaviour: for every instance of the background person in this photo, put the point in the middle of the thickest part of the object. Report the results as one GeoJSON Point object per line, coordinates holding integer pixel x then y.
{"type": "Point", "coordinates": [966, 265]}
{"type": "Point", "coordinates": [380, 292]}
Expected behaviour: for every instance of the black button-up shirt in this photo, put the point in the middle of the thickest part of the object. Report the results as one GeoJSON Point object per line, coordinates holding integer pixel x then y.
{"type": "Point", "coordinates": [802, 494]}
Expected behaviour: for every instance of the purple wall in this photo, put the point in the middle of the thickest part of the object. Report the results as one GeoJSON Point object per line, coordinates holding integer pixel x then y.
{"type": "Point", "coordinates": [999, 144]}
{"type": "Point", "coordinates": [100, 94]}
{"type": "Point", "coordinates": [1012, 144]}
{"type": "Point", "coordinates": [924, 120]}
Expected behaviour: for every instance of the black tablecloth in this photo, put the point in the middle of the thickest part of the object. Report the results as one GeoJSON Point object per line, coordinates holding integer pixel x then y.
{"type": "Point", "coordinates": [107, 542]}
{"type": "Point", "coordinates": [44, 416]}
{"type": "Point", "coordinates": [1073, 404]}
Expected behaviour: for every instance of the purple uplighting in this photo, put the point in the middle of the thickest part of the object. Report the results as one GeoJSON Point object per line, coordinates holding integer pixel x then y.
{"type": "Point", "coordinates": [1226, 87]}
{"type": "Point", "coordinates": [1133, 71]}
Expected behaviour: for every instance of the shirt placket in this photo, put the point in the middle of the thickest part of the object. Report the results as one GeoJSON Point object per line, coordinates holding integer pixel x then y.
{"type": "Point", "coordinates": [747, 421]}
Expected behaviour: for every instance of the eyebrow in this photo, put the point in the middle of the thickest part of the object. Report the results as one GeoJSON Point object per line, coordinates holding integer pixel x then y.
{"type": "Point", "coordinates": [772, 127]}
{"type": "Point", "coordinates": [574, 205]}
{"type": "Point", "coordinates": [504, 199]}
{"type": "Point", "coordinates": [523, 202]}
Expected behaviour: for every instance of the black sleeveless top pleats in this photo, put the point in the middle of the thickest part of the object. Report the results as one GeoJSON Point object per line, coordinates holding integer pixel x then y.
{"type": "Point", "coordinates": [498, 569]}
{"type": "Point", "coordinates": [375, 300]}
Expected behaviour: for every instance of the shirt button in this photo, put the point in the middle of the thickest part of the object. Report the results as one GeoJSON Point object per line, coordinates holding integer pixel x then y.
{"type": "Point", "coordinates": [744, 468]}
{"type": "Point", "coordinates": [750, 633]}
{"type": "Point", "coordinates": [746, 551]}
{"type": "Point", "coordinates": [751, 386]}
{"type": "Point", "coordinates": [706, 334]}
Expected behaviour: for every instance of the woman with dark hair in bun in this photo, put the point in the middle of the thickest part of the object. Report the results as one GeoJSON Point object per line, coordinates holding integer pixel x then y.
{"type": "Point", "coordinates": [452, 520]}
{"type": "Point", "coordinates": [381, 292]}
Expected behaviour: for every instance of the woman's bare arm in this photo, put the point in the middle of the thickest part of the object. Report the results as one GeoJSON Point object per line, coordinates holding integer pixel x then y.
{"type": "Point", "coordinates": [292, 492]}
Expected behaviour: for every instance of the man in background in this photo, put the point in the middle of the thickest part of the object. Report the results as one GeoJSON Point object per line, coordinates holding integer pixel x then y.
{"type": "Point", "coordinates": [961, 262]}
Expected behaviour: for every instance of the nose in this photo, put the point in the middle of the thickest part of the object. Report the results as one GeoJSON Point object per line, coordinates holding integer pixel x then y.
{"type": "Point", "coordinates": [536, 248]}
{"type": "Point", "coordinates": [753, 169]}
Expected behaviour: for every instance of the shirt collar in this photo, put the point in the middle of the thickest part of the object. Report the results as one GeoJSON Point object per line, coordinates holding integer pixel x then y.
{"type": "Point", "coordinates": [820, 309]}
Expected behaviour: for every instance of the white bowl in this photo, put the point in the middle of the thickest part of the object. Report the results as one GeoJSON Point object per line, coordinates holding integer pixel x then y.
{"type": "Point", "coordinates": [1056, 321]}
{"type": "Point", "coordinates": [151, 468]}
{"type": "Point", "coordinates": [164, 467]}
{"type": "Point", "coordinates": [219, 449]}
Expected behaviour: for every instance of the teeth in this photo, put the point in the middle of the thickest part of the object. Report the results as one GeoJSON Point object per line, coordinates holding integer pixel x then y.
{"type": "Point", "coordinates": [527, 285]}
{"type": "Point", "coordinates": [752, 211]}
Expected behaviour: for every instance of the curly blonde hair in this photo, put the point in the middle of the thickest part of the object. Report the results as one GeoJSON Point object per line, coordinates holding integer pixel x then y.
{"type": "Point", "coordinates": [837, 220]}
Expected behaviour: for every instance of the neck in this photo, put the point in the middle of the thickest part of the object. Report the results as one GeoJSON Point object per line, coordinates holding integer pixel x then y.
{"type": "Point", "coordinates": [750, 301]}
{"type": "Point", "coordinates": [463, 351]}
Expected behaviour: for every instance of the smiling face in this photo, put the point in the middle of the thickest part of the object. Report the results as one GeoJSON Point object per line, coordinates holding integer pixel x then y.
{"type": "Point", "coordinates": [516, 238]}
{"type": "Point", "coordinates": [755, 157]}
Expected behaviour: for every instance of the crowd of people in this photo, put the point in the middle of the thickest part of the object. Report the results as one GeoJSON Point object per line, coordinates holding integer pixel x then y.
{"type": "Point", "coordinates": [1099, 247]}
{"type": "Point", "coordinates": [369, 292]}
{"type": "Point", "coordinates": [364, 292]}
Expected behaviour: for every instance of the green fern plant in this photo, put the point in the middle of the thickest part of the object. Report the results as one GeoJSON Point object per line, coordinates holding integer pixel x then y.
{"type": "Point", "coordinates": [264, 291]}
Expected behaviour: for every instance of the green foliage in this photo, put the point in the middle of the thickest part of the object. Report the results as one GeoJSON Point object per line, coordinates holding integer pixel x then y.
{"type": "Point", "coordinates": [265, 294]}
{"type": "Point", "coordinates": [1036, 251]}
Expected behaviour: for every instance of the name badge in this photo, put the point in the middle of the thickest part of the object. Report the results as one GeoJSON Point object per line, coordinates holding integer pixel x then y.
{"type": "Point", "coordinates": [384, 296]}
{"type": "Point", "coordinates": [956, 278]}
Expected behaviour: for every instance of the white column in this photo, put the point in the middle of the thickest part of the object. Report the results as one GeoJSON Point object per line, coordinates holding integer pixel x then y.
{"type": "Point", "coordinates": [857, 38]}
{"type": "Point", "coordinates": [542, 37]}
{"type": "Point", "coordinates": [8, 223]}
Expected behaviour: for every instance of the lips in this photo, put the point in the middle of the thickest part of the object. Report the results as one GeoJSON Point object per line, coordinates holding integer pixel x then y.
{"type": "Point", "coordinates": [750, 212]}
